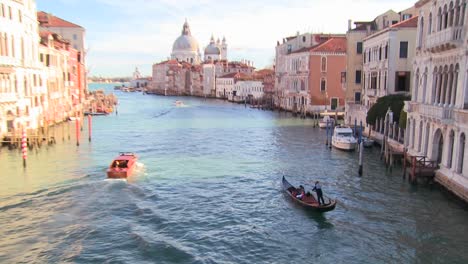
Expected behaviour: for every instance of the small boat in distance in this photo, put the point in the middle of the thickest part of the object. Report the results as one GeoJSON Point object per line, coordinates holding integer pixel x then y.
{"type": "Point", "coordinates": [122, 166]}
{"type": "Point", "coordinates": [179, 103]}
{"type": "Point", "coordinates": [327, 120]}
{"type": "Point", "coordinates": [309, 201]}
{"type": "Point", "coordinates": [343, 139]}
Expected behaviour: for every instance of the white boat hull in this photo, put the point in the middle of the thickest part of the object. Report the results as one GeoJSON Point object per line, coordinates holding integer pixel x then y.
{"type": "Point", "coordinates": [349, 146]}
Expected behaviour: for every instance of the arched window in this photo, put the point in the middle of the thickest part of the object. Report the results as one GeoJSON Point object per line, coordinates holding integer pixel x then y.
{"type": "Point", "coordinates": [450, 150]}
{"type": "Point", "coordinates": [429, 26]}
{"type": "Point", "coordinates": [324, 64]}
{"type": "Point", "coordinates": [424, 86]}
{"type": "Point", "coordinates": [438, 146]}
{"type": "Point", "coordinates": [421, 32]}
{"type": "Point", "coordinates": [451, 14]}
{"type": "Point", "coordinates": [455, 85]}
{"type": "Point", "coordinates": [439, 19]}
{"type": "Point", "coordinates": [426, 138]}
{"type": "Point", "coordinates": [445, 17]}
{"type": "Point", "coordinates": [416, 86]}
{"type": "Point", "coordinates": [462, 18]}
{"type": "Point", "coordinates": [420, 136]}
{"type": "Point", "coordinates": [323, 84]}
{"type": "Point", "coordinates": [461, 153]}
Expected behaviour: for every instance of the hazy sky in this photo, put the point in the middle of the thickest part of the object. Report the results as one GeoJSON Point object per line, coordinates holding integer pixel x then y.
{"type": "Point", "coordinates": [123, 34]}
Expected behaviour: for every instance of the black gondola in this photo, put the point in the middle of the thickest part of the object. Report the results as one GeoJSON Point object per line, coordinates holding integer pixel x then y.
{"type": "Point", "coordinates": [308, 201]}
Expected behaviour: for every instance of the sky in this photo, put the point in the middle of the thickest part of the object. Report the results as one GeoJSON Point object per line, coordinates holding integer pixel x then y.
{"type": "Point", "coordinates": [124, 34]}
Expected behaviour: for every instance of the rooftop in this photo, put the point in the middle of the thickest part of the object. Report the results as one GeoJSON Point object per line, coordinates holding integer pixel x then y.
{"type": "Point", "coordinates": [49, 20]}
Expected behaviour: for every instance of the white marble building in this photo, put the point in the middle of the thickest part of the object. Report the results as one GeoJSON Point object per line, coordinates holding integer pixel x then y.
{"type": "Point", "coordinates": [438, 112]}
{"type": "Point", "coordinates": [225, 86]}
{"type": "Point", "coordinates": [247, 89]}
{"type": "Point", "coordinates": [22, 78]}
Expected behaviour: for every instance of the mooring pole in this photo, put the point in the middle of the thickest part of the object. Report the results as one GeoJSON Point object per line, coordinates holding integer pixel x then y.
{"type": "Point", "coordinates": [326, 129]}
{"type": "Point", "coordinates": [24, 146]}
{"type": "Point", "coordinates": [361, 150]}
{"type": "Point", "coordinates": [90, 125]}
{"type": "Point", "coordinates": [77, 128]}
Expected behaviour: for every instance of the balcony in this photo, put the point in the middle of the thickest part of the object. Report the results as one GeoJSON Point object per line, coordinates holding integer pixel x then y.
{"type": "Point", "coordinates": [8, 97]}
{"type": "Point", "coordinates": [460, 116]}
{"type": "Point", "coordinates": [371, 92]}
{"type": "Point", "coordinates": [437, 112]}
{"type": "Point", "coordinates": [411, 107]}
{"type": "Point", "coordinates": [446, 39]}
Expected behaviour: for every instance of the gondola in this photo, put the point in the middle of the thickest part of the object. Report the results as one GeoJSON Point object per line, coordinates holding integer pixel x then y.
{"type": "Point", "coordinates": [308, 201]}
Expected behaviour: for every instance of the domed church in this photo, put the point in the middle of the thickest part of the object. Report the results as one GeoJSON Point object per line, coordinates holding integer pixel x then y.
{"type": "Point", "coordinates": [185, 47]}
{"type": "Point", "coordinates": [216, 51]}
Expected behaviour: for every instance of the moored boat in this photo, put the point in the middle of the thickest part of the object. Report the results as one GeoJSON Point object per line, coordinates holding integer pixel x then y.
{"type": "Point", "coordinates": [308, 201]}
{"type": "Point", "coordinates": [343, 139]}
{"type": "Point", "coordinates": [122, 166]}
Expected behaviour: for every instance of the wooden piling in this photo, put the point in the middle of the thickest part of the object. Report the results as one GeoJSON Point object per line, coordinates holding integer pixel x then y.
{"type": "Point", "coordinates": [361, 150]}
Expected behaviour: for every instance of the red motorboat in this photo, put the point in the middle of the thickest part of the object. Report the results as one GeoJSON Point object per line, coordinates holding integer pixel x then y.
{"type": "Point", "coordinates": [122, 166]}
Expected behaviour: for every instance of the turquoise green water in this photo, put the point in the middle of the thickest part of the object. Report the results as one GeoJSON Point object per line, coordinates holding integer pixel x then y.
{"type": "Point", "coordinates": [207, 190]}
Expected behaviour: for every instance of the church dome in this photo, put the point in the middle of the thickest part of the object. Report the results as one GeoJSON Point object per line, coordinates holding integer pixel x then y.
{"type": "Point", "coordinates": [185, 42]}
{"type": "Point", "coordinates": [212, 50]}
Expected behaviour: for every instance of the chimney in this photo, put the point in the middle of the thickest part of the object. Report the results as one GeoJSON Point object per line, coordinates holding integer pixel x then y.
{"type": "Point", "coordinates": [349, 24]}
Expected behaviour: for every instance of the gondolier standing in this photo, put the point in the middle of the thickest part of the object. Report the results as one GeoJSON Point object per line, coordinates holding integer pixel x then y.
{"type": "Point", "coordinates": [318, 190]}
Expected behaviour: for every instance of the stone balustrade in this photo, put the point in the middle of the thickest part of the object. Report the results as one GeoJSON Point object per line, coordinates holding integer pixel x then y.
{"type": "Point", "coordinates": [434, 111]}
{"type": "Point", "coordinates": [371, 92]}
{"type": "Point", "coordinates": [460, 116]}
{"type": "Point", "coordinates": [8, 97]}
{"type": "Point", "coordinates": [448, 36]}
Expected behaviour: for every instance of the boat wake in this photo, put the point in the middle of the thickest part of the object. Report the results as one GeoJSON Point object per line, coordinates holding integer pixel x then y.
{"type": "Point", "coordinates": [162, 113]}
{"type": "Point", "coordinates": [115, 180]}
{"type": "Point", "coordinates": [139, 168]}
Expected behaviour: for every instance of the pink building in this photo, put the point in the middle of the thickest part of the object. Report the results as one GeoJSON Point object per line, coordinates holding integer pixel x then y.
{"type": "Point", "coordinates": [327, 74]}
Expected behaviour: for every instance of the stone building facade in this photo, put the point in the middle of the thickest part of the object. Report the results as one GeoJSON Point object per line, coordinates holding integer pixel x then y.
{"type": "Point", "coordinates": [438, 112]}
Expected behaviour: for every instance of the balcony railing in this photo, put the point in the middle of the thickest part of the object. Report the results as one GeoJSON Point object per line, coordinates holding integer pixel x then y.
{"type": "Point", "coordinates": [438, 112]}
{"type": "Point", "coordinates": [460, 116]}
{"type": "Point", "coordinates": [8, 97]}
{"type": "Point", "coordinates": [371, 92]}
{"type": "Point", "coordinates": [446, 37]}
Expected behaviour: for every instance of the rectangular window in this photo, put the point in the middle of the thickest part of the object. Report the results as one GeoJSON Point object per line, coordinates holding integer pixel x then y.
{"type": "Point", "coordinates": [358, 76]}
{"type": "Point", "coordinates": [403, 49]}
{"type": "Point", "coordinates": [402, 82]}
{"type": "Point", "coordinates": [74, 37]}
{"type": "Point", "coordinates": [373, 81]}
{"type": "Point", "coordinates": [10, 11]}
{"type": "Point", "coordinates": [394, 22]}
{"type": "Point", "coordinates": [334, 103]}
{"type": "Point", "coordinates": [359, 48]}
{"type": "Point", "coordinates": [386, 51]}
{"type": "Point", "coordinates": [20, 16]}
{"type": "Point", "coordinates": [357, 97]}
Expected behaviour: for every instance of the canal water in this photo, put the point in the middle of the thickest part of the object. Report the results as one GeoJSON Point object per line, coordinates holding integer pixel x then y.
{"type": "Point", "coordinates": [207, 190]}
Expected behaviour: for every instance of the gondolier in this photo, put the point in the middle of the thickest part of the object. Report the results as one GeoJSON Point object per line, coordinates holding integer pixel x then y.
{"type": "Point", "coordinates": [318, 189]}
{"type": "Point", "coordinates": [307, 201]}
